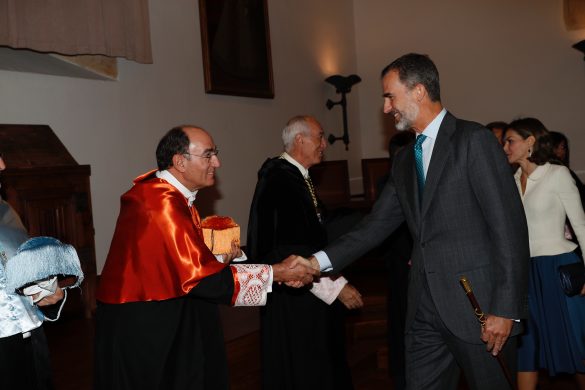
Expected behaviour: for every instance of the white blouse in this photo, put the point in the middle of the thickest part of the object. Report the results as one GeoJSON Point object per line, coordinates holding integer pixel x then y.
{"type": "Point", "coordinates": [551, 195]}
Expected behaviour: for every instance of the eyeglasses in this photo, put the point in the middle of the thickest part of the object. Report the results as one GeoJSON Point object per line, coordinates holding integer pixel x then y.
{"type": "Point", "coordinates": [207, 155]}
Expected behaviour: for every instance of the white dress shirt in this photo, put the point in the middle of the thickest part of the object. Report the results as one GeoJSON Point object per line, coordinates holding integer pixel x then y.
{"type": "Point", "coordinates": [431, 132]}
{"type": "Point", "coordinates": [190, 195]}
{"type": "Point", "coordinates": [550, 197]}
{"type": "Point", "coordinates": [288, 157]}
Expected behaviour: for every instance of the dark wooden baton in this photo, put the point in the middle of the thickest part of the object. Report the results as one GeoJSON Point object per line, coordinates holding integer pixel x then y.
{"type": "Point", "coordinates": [481, 317]}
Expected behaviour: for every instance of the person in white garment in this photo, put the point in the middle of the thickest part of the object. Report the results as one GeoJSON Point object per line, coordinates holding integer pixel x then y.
{"type": "Point", "coordinates": [554, 336]}
{"type": "Point", "coordinates": [24, 355]}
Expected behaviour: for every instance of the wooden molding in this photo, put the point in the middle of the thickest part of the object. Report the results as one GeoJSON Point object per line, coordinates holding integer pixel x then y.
{"type": "Point", "coordinates": [100, 65]}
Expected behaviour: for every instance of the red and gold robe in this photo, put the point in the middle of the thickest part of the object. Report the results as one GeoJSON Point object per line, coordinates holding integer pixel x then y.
{"type": "Point", "coordinates": [157, 321]}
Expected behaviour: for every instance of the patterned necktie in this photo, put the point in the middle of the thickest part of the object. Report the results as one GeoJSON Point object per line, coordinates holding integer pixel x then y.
{"type": "Point", "coordinates": [420, 170]}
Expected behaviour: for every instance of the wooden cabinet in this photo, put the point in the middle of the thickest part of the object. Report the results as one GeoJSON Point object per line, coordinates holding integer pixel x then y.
{"type": "Point", "coordinates": [373, 169]}
{"type": "Point", "coordinates": [51, 193]}
{"type": "Point", "coordinates": [331, 180]}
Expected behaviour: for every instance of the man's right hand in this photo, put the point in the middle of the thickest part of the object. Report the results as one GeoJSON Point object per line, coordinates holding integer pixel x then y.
{"type": "Point", "coordinates": [495, 333]}
{"type": "Point", "coordinates": [295, 271]}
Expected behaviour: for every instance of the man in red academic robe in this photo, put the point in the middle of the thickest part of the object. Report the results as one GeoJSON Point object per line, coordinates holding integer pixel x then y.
{"type": "Point", "coordinates": [157, 322]}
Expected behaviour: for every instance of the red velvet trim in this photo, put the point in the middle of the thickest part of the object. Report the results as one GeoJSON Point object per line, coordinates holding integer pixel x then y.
{"type": "Point", "coordinates": [237, 285]}
{"type": "Point", "coordinates": [157, 251]}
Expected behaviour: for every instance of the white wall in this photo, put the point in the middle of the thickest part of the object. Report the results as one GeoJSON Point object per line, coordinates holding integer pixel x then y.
{"type": "Point", "coordinates": [498, 60]}
{"type": "Point", "coordinates": [115, 126]}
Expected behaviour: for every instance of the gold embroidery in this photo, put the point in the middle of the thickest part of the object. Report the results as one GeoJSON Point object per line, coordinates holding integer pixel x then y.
{"type": "Point", "coordinates": [313, 196]}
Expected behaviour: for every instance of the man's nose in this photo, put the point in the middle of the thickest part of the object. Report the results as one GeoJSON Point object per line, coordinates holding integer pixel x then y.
{"type": "Point", "coordinates": [2, 165]}
{"type": "Point", "coordinates": [215, 161]}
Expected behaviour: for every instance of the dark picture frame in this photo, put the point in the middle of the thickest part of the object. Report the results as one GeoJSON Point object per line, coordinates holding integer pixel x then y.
{"type": "Point", "coordinates": [235, 40]}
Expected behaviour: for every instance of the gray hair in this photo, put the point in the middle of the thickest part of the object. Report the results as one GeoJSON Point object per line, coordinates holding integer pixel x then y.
{"type": "Point", "coordinates": [296, 125]}
{"type": "Point", "coordinates": [415, 69]}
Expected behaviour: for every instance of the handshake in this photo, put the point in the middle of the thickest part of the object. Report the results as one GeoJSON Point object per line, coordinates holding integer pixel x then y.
{"type": "Point", "coordinates": [296, 271]}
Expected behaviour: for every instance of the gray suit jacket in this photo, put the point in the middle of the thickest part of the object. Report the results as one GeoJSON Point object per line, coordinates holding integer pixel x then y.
{"type": "Point", "coordinates": [471, 223]}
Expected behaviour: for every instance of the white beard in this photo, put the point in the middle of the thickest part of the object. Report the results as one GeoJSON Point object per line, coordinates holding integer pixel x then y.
{"type": "Point", "coordinates": [407, 117]}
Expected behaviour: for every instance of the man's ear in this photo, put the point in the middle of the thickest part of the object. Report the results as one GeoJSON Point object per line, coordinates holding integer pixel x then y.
{"type": "Point", "coordinates": [179, 162]}
{"type": "Point", "coordinates": [420, 92]}
{"type": "Point", "coordinates": [299, 139]}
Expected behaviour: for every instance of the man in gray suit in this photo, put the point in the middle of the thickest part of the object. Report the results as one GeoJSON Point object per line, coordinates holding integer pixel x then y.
{"type": "Point", "coordinates": [454, 189]}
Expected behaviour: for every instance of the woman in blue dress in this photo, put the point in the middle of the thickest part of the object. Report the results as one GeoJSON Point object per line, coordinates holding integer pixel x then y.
{"type": "Point", "coordinates": [554, 337]}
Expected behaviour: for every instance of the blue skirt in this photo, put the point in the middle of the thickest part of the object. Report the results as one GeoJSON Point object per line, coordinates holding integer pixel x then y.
{"type": "Point", "coordinates": [554, 336]}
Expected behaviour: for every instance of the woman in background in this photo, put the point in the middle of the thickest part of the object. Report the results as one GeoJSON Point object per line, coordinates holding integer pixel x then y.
{"type": "Point", "coordinates": [561, 150]}
{"type": "Point", "coordinates": [554, 337]}
{"type": "Point", "coordinates": [560, 145]}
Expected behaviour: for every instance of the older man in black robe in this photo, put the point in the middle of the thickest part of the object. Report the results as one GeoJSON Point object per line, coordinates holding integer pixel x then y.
{"type": "Point", "coordinates": [300, 328]}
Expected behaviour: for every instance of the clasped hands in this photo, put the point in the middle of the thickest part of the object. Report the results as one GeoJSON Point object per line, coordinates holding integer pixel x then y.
{"type": "Point", "coordinates": [295, 271]}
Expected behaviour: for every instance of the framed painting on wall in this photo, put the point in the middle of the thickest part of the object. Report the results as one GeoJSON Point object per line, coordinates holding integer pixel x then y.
{"type": "Point", "coordinates": [235, 39]}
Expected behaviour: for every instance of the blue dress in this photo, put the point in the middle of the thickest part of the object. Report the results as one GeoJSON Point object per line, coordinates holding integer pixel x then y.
{"type": "Point", "coordinates": [554, 337]}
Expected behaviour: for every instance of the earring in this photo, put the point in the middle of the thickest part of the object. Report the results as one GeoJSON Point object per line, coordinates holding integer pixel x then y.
{"type": "Point", "coordinates": [529, 152]}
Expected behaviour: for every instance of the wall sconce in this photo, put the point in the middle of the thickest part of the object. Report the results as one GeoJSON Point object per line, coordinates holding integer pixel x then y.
{"type": "Point", "coordinates": [343, 86]}
{"type": "Point", "coordinates": [580, 46]}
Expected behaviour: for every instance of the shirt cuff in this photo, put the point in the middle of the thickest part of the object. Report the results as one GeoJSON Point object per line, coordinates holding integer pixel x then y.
{"type": "Point", "coordinates": [241, 258]}
{"type": "Point", "coordinates": [324, 262]}
{"type": "Point", "coordinates": [236, 260]}
{"type": "Point", "coordinates": [251, 282]}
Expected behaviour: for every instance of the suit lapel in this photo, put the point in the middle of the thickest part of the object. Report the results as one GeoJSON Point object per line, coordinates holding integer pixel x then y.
{"type": "Point", "coordinates": [439, 158]}
{"type": "Point", "coordinates": [409, 178]}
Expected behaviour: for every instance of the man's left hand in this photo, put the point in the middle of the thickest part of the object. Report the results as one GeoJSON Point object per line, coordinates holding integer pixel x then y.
{"type": "Point", "coordinates": [495, 333]}
{"type": "Point", "coordinates": [234, 253]}
{"type": "Point", "coordinates": [350, 297]}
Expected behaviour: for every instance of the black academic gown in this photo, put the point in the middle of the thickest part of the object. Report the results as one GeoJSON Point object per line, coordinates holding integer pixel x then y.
{"type": "Point", "coordinates": [184, 333]}
{"type": "Point", "coordinates": [302, 338]}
